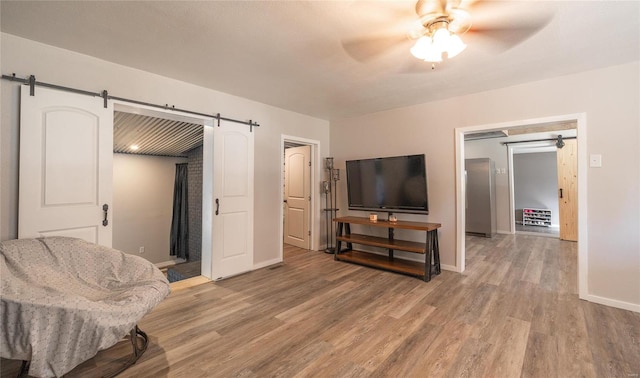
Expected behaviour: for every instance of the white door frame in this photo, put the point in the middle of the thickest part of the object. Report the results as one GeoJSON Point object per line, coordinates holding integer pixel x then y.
{"type": "Point", "coordinates": [316, 172]}
{"type": "Point", "coordinates": [581, 121]}
{"type": "Point", "coordinates": [207, 170]}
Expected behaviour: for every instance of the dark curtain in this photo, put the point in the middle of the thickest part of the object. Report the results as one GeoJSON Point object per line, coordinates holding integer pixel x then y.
{"type": "Point", "coordinates": [180, 219]}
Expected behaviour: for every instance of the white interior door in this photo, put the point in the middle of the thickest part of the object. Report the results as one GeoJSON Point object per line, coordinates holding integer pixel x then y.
{"type": "Point", "coordinates": [66, 153]}
{"type": "Point", "coordinates": [297, 196]}
{"type": "Point", "coordinates": [233, 200]}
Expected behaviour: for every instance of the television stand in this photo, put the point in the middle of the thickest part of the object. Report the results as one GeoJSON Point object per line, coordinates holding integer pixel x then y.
{"type": "Point", "coordinates": [430, 248]}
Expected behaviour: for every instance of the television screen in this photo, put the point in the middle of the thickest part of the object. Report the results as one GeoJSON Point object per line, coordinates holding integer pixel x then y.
{"type": "Point", "coordinates": [392, 184]}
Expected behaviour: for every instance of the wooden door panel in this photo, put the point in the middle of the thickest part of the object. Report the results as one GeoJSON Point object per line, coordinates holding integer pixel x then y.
{"type": "Point", "coordinates": [567, 158]}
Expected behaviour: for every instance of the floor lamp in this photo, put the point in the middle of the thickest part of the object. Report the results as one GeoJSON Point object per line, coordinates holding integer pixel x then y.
{"type": "Point", "coordinates": [331, 200]}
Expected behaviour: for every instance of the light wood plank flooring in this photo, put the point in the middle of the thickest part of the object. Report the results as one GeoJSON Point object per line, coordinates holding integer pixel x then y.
{"type": "Point", "coordinates": [513, 313]}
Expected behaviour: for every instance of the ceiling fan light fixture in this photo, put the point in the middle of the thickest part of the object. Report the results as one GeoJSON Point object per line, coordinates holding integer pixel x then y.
{"type": "Point", "coordinates": [441, 38]}
{"type": "Point", "coordinates": [431, 46]}
{"type": "Point", "coordinates": [424, 49]}
{"type": "Point", "coordinates": [439, 28]}
{"type": "Point", "coordinates": [456, 46]}
{"type": "Point", "coordinates": [421, 46]}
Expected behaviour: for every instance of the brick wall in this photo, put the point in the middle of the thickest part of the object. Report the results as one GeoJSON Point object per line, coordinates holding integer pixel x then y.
{"type": "Point", "coordinates": [195, 203]}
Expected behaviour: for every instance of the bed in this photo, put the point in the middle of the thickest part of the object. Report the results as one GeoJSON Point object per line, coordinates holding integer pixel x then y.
{"type": "Point", "coordinates": [64, 299]}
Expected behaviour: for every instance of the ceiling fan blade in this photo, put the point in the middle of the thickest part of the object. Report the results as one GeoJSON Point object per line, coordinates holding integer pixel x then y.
{"type": "Point", "coordinates": [382, 28]}
{"type": "Point", "coordinates": [504, 37]}
{"type": "Point", "coordinates": [366, 49]}
{"type": "Point", "coordinates": [507, 23]}
{"type": "Point", "coordinates": [424, 7]}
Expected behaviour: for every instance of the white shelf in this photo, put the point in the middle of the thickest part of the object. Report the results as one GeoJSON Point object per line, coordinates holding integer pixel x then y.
{"type": "Point", "coordinates": [536, 217]}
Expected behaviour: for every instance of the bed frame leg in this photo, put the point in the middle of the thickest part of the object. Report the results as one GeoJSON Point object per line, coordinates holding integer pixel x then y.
{"type": "Point", "coordinates": [139, 342]}
{"type": "Point", "coordinates": [139, 349]}
{"type": "Point", "coordinates": [24, 369]}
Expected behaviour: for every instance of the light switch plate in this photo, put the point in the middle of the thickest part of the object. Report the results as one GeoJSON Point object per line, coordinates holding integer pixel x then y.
{"type": "Point", "coordinates": [595, 161]}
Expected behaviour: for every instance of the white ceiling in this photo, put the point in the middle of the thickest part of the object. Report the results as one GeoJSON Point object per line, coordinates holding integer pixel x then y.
{"type": "Point", "coordinates": [299, 55]}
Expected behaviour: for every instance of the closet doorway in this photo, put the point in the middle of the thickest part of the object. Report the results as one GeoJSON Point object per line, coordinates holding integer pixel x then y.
{"type": "Point", "coordinates": [157, 190]}
{"type": "Point", "coordinates": [543, 182]}
{"type": "Point", "coordinates": [74, 174]}
{"type": "Point", "coordinates": [300, 194]}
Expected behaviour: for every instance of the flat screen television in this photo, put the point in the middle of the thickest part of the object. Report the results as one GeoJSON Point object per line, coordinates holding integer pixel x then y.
{"type": "Point", "coordinates": [391, 184]}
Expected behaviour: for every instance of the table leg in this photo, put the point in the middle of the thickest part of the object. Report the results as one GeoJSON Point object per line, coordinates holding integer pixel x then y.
{"type": "Point", "coordinates": [338, 246]}
{"type": "Point", "coordinates": [436, 252]}
{"type": "Point", "coordinates": [427, 258]}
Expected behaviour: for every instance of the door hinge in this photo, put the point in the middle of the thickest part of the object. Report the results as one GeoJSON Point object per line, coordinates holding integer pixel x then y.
{"type": "Point", "coordinates": [309, 198]}
{"type": "Point", "coordinates": [309, 232]}
{"type": "Point", "coordinates": [309, 163]}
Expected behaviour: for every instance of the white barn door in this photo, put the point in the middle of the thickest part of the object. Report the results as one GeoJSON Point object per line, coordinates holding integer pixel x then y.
{"type": "Point", "coordinates": [233, 200]}
{"type": "Point", "coordinates": [66, 153]}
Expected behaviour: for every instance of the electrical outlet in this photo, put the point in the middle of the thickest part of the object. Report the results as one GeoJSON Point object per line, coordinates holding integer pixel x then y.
{"type": "Point", "coordinates": [141, 250]}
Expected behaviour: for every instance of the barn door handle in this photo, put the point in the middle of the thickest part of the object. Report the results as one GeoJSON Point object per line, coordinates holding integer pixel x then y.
{"type": "Point", "coordinates": [105, 210]}
{"type": "Point", "coordinates": [561, 193]}
{"type": "Point", "coordinates": [217, 206]}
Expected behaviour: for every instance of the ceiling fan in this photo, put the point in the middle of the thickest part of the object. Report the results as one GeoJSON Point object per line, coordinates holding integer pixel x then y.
{"type": "Point", "coordinates": [441, 27]}
{"type": "Point", "coordinates": [438, 29]}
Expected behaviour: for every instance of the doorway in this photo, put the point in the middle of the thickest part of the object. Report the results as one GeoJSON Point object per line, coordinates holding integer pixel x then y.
{"type": "Point", "coordinates": [535, 191]}
{"type": "Point", "coordinates": [227, 166]}
{"type": "Point", "coordinates": [580, 122]}
{"type": "Point", "coordinates": [81, 136]}
{"type": "Point", "coordinates": [298, 226]}
{"type": "Point", "coordinates": [543, 183]}
{"type": "Point", "coordinates": [297, 195]}
{"type": "Point", "coordinates": [149, 152]}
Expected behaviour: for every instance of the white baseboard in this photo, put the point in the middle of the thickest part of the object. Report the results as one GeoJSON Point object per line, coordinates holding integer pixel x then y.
{"type": "Point", "coordinates": [448, 267]}
{"type": "Point", "coordinates": [613, 303]}
{"type": "Point", "coordinates": [267, 263]}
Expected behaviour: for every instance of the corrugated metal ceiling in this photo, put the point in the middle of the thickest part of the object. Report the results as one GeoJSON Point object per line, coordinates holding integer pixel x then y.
{"type": "Point", "coordinates": [154, 136]}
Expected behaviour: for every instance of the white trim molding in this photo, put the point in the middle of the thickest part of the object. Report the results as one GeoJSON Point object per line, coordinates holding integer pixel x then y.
{"type": "Point", "coordinates": [613, 303]}
{"type": "Point", "coordinates": [583, 247]}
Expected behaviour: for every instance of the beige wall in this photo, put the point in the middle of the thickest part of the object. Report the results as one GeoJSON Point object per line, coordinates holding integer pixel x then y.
{"type": "Point", "coordinates": [143, 204]}
{"type": "Point", "coordinates": [63, 67]}
{"type": "Point", "coordinates": [610, 99]}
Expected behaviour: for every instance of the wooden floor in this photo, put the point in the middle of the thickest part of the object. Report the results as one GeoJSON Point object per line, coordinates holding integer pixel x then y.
{"type": "Point", "coordinates": [538, 230]}
{"type": "Point", "coordinates": [513, 313]}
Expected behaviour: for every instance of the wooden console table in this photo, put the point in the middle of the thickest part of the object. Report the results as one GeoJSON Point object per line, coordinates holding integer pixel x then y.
{"type": "Point", "coordinates": [430, 248]}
